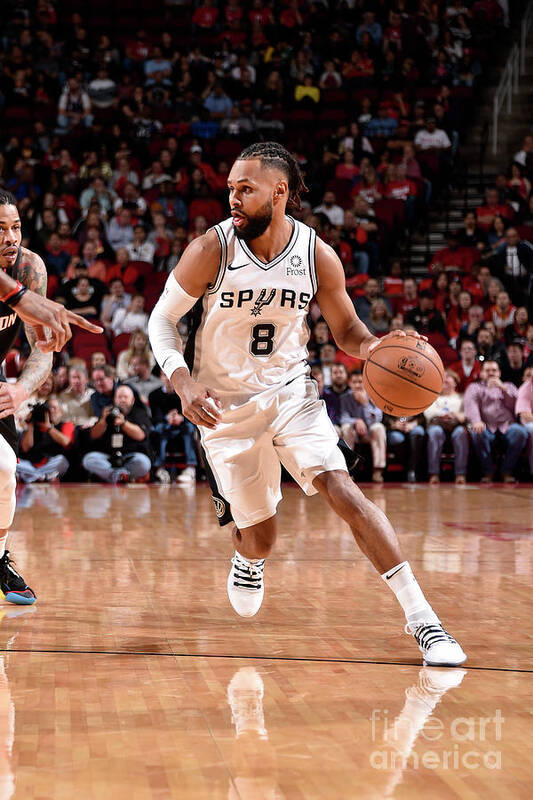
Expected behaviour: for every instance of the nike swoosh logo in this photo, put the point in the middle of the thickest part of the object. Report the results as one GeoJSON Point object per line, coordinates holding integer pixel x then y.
{"type": "Point", "coordinates": [394, 573]}
{"type": "Point", "coordinates": [239, 266]}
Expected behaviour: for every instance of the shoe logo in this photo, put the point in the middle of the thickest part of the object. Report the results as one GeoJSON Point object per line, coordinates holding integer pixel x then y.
{"type": "Point", "coordinates": [220, 506]}
{"type": "Point", "coordinates": [239, 266]}
{"type": "Point", "coordinates": [394, 573]}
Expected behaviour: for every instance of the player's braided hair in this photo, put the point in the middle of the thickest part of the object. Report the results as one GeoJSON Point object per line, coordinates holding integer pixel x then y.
{"type": "Point", "coordinates": [273, 154]}
{"type": "Point", "coordinates": [7, 199]}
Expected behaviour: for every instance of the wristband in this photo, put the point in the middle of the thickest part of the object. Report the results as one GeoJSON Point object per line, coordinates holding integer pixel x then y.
{"type": "Point", "coordinates": [12, 298]}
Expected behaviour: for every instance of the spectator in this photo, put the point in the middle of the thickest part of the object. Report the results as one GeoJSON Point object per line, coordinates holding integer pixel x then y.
{"type": "Point", "coordinates": [74, 107]}
{"type": "Point", "coordinates": [45, 443]}
{"type": "Point", "coordinates": [489, 408]}
{"type": "Point", "coordinates": [132, 318]}
{"type": "Point", "coordinates": [517, 330]}
{"type": "Point", "coordinates": [409, 298]}
{"type": "Point", "coordinates": [471, 235]}
{"type": "Point", "coordinates": [75, 400]}
{"type": "Point", "coordinates": [425, 318]}
{"type": "Point", "coordinates": [120, 440]}
{"type": "Point", "coordinates": [329, 207]}
{"type": "Point", "coordinates": [83, 299]}
{"type": "Point", "coordinates": [94, 266]}
{"type": "Point", "coordinates": [524, 412]}
{"type": "Point", "coordinates": [492, 208]}
{"type": "Point", "coordinates": [102, 89]}
{"type": "Point", "coordinates": [335, 389]}
{"type": "Point", "coordinates": [143, 381]}
{"type": "Point", "coordinates": [218, 103]}
{"type": "Point", "coordinates": [471, 327]}
{"type": "Point", "coordinates": [140, 249]}
{"type": "Point", "coordinates": [513, 264]}
{"type": "Point", "coordinates": [98, 192]}
{"type": "Point", "coordinates": [453, 255]}
{"type": "Point", "coordinates": [407, 434]}
{"type": "Point", "coordinates": [379, 318]}
{"type": "Point", "coordinates": [432, 139]}
{"type": "Point", "coordinates": [330, 78]}
{"type": "Point", "coordinates": [513, 367]}
{"type": "Point", "coordinates": [445, 420]}
{"type": "Point", "coordinates": [117, 298]}
{"type": "Point", "coordinates": [103, 380]}
{"type": "Point", "coordinates": [171, 426]}
{"type": "Point", "coordinates": [120, 230]}
{"type": "Point", "coordinates": [522, 156]}
{"type": "Point", "coordinates": [138, 345]}
{"type": "Point", "coordinates": [382, 126]}
{"type": "Point", "coordinates": [361, 422]}
{"type": "Point", "coordinates": [488, 349]}
{"type": "Point", "coordinates": [468, 369]}
{"type": "Point", "coordinates": [501, 313]}
{"type": "Point", "coordinates": [363, 305]}
{"type": "Point", "coordinates": [371, 26]}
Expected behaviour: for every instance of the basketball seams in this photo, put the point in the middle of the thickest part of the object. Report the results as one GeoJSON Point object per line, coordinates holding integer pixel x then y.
{"type": "Point", "coordinates": [403, 347]}
{"type": "Point", "coordinates": [402, 377]}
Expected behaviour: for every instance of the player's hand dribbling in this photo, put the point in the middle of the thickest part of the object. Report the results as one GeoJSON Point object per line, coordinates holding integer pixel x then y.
{"type": "Point", "coordinates": [199, 404]}
{"type": "Point", "coordinates": [396, 335]}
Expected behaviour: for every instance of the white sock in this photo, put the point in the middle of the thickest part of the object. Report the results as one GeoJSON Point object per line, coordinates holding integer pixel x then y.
{"type": "Point", "coordinates": [410, 596]}
{"type": "Point", "coordinates": [3, 541]}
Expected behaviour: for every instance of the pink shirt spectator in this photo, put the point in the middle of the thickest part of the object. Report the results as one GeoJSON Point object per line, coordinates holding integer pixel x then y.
{"type": "Point", "coordinates": [524, 400]}
{"type": "Point", "coordinates": [494, 407]}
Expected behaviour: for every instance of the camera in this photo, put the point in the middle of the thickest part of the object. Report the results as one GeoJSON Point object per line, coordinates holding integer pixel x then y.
{"type": "Point", "coordinates": [113, 414]}
{"type": "Point", "coordinates": [38, 413]}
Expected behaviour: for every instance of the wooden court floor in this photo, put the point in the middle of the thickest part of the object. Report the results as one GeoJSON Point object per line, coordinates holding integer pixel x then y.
{"type": "Point", "coordinates": [133, 678]}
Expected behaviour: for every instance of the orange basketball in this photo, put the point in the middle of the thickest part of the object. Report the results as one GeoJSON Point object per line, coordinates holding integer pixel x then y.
{"type": "Point", "coordinates": [403, 376]}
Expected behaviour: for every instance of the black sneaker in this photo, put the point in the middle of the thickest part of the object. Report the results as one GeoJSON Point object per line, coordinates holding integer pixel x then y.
{"type": "Point", "coordinates": [13, 585]}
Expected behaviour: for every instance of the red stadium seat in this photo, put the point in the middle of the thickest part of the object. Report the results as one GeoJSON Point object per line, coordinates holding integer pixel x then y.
{"type": "Point", "coordinates": [120, 343]}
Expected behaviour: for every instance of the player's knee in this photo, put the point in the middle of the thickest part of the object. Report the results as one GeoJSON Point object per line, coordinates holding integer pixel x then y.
{"type": "Point", "coordinates": [8, 466]}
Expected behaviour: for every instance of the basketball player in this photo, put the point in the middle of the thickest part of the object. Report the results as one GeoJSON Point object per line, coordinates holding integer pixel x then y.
{"type": "Point", "coordinates": [20, 271]}
{"type": "Point", "coordinates": [251, 279]}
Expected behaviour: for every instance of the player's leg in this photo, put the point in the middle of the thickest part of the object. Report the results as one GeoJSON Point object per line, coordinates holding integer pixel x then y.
{"type": "Point", "coordinates": [245, 474]}
{"type": "Point", "coordinates": [12, 585]}
{"type": "Point", "coordinates": [377, 539]}
{"type": "Point", "coordinates": [246, 585]}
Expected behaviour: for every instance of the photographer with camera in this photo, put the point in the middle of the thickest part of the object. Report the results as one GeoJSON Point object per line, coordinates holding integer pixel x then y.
{"type": "Point", "coordinates": [45, 443]}
{"type": "Point", "coordinates": [121, 440]}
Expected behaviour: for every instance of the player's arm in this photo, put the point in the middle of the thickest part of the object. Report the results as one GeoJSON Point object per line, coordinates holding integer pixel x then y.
{"type": "Point", "coordinates": [31, 273]}
{"type": "Point", "coordinates": [350, 333]}
{"type": "Point", "coordinates": [39, 312]}
{"type": "Point", "coordinates": [192, 276]}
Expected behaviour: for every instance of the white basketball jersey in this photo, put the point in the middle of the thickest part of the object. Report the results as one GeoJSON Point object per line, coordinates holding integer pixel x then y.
{"type": "Point", "coordinates": [250, 331]}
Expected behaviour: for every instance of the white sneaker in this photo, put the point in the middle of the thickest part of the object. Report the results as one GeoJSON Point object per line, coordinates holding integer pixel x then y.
{"type": "Point", "coordinates": [245, 585]}
{"type": "Point", "coordinates": [162, 475]}
{"type": "Point", "coordinates": [245, 696]}
{"type": "Point", "coordinates": [438, 647]}
{"type": "Point", "coordinates": [188, 476]}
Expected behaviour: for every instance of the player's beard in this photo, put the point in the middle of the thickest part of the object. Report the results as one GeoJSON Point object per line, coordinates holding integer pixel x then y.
{"type": "Point", "coordinates": [256, 225]}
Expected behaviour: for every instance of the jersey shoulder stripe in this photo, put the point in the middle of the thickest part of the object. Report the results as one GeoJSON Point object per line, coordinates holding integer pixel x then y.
{"type": "Point", "coordinates": [222, 263]}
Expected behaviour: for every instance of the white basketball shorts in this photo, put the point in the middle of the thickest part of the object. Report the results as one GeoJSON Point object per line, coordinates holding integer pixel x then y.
{"type": "Point", "coordinates": [287, 425]}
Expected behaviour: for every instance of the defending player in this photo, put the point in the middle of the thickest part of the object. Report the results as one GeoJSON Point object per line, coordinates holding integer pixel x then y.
{"type": "Point", "coordinates": [22, 295]}
{"type": "Point", "coordinates": [251, 279]}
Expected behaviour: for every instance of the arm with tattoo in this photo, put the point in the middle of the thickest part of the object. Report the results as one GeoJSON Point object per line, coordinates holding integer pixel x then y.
{"type": "Point", "coordinates": [32, 273]}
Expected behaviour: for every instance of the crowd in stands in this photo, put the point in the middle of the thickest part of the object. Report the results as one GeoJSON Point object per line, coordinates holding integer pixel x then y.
{"type": "Point", "coordinates": [117, 142]}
